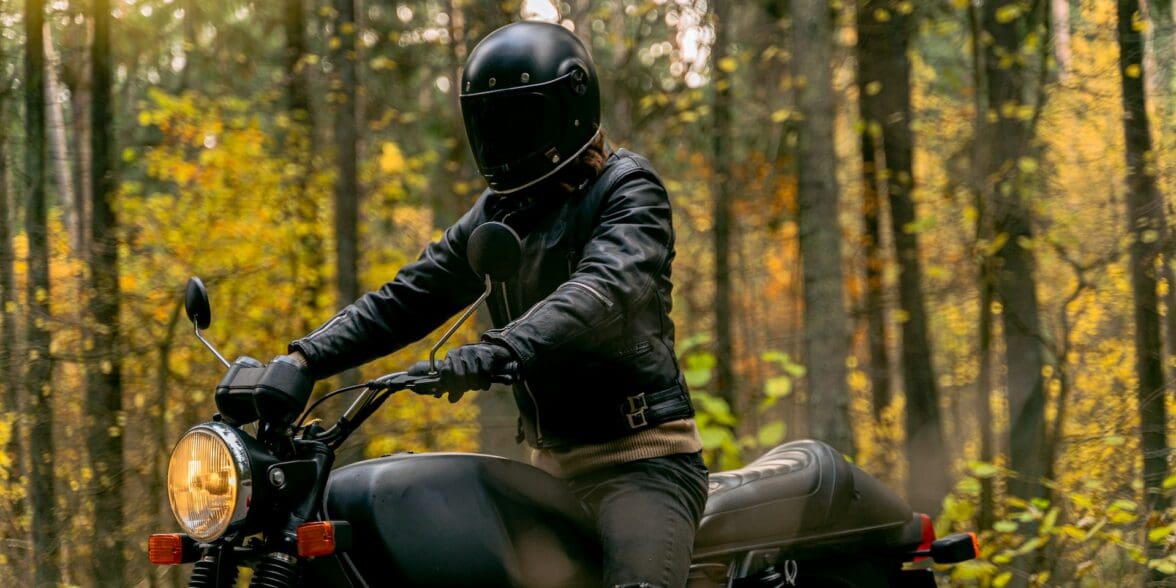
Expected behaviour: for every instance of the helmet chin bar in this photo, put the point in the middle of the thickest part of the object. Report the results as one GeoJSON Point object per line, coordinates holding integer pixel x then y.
{"type": "Point", "coordinates": [551, 172]}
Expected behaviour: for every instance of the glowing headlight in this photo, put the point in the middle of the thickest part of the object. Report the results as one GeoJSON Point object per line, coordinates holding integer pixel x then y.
{"type": "Point", "coordinates": [209, 480]}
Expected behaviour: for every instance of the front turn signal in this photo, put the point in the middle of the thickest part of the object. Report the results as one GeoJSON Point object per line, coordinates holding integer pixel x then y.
{"type": "Point", "coordinates": [323, 538]}
{"type": "Point", "coordinates": [169, 549]}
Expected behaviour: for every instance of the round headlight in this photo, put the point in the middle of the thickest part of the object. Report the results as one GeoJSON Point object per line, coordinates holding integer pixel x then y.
{"type": "Point", "coordinates": [209, 480]}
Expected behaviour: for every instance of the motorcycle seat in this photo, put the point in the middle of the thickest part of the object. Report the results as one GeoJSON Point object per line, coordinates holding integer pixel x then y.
{"type": "Point", "coordinates": [785, 494]}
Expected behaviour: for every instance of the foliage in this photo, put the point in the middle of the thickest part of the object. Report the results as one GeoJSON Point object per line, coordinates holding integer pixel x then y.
{"type": "Point", "coordinates": [217, 178]}
{"type": "Point", "coordinates": [1090, 534]}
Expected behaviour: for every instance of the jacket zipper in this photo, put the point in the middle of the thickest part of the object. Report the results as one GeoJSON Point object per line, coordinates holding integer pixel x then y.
{"type": "Point", "coordinates": [526, 386]}
{"type": "Point", "coordinates": [338, 317]}
{"type": "Point", "coordinates": [594, 292]}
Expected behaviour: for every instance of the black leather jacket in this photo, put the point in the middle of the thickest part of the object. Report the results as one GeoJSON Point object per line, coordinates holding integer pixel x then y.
{"type": "Point", "coordinates": [587, 317]}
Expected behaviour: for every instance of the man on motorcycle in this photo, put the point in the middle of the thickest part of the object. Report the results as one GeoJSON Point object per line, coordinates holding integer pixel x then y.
{"type": "Point", "coordinates": [585, 323]}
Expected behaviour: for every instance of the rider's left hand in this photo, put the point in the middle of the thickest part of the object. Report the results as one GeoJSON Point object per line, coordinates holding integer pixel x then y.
{"type": "Point", "coordinates": [469, 367]}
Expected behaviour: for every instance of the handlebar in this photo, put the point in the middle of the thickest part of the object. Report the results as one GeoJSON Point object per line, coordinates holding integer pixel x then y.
{"type": "Point", "coordinates": [424, 384]}
{"type": "Point", "coordinates": [378, 390]}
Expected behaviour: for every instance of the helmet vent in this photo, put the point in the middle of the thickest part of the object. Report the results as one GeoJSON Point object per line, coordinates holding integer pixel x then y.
{"type": "Point", "coordinates": [579, 81]}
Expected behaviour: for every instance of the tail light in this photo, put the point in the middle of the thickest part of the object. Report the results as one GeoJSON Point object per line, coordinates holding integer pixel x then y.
{"type": "Point", "coordinates": [955, 548]}
{"type": "Point", "coordinates": [951, 549]}
{"type": "Point", "coordinates": [928, 539]}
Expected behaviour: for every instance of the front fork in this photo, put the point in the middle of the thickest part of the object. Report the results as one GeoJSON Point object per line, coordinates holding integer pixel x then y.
{"type": "Point", "coordinates": [219, 570]}
{"type": "Point", "coordinates": [216, 569]}
{"type": "Point", "coordinates": [276, 570]}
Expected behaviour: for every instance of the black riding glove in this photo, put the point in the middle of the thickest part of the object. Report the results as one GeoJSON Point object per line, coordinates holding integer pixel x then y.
{"type": "Point", "coordinates": [469, 367]}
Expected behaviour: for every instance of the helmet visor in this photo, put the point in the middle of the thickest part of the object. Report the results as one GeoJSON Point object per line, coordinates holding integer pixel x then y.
{"type": "Point", "coordinates": [505, 128]}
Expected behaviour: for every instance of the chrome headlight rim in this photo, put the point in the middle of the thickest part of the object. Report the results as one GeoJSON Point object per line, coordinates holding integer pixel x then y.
{"type": "Point", "coordinates": [239, 454]}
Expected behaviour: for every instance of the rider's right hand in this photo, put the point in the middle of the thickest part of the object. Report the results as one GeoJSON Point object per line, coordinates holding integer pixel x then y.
{"type": "Point", "coordinates": [469, 367]}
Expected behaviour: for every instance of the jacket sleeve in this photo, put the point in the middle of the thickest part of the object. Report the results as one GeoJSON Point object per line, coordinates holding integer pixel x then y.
{"type": "Point", "coordinates": [419, 299]}
{"type": "Point", "coordinates": [628, 252]}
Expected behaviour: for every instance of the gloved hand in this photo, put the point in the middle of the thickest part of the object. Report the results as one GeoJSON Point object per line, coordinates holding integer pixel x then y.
{"type": "Point", "coordinates": [469, 367]}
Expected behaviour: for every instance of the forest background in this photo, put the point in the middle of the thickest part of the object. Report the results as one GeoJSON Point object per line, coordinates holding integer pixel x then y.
{"type": "Point", "coordinates": [933, 234]}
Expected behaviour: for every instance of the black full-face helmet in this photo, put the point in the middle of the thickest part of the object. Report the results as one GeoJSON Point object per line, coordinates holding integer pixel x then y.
{"type": "Point", "coordinates": [531, 103]}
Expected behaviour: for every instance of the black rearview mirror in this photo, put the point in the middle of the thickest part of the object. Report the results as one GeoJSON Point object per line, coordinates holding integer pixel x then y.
{"type": "Point", "coordinates": [196, 303]}
{"type": "Point", "coordinates": [495, 250]}
{"type": "Point", "coordinates": [200, 312]}
{"type": "Point", "coordinates": [495, 253]}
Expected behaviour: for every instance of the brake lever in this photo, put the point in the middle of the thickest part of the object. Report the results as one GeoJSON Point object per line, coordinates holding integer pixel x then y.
{"type": "Point", "coordinates": [396, 381]}
{"type": "Point", "coordinates": [430, 384]}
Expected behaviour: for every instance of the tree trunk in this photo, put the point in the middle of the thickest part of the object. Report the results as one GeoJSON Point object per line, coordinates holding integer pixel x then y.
{"type": "Point", "coordinates": [160, 440]}
{"type": "Point", "coordinates": [1014, 274]}
{"type": "Point", "coordinates": [869, 76]}
{"type": "Point", "coordinates": [347, 195]}
{"type": "Point", "coordinates": [1145, 220]}
{"type": "Point", "coordinates": [308, 259]}
{"type": "Point", "coordinates": [77, 78]}
{"type": "Point", "coordinates": [71, 211]}
{"type": "Point", "coordinates": [192, 49]}
{"type": "Point", "coordinates": [1060, 13]}
{"type": "Point", "coordinates": [14, 535]}
{"type": "Point", "coordinates": [1015, 278]}
{"type": "Point", "coordinates": [826, 330]}
{"type": "Point", "coordinates": [38, 378]}
{"type": "Point", "coordinates": [986, 510]}
{"type": "Point", "coordinates": [347, 182]}
{"type": "Point", "coordinates": [724, 380]}
{"type": "Point", "coordinates": [104, 370]}
{"type": "Point", "coordinates": [886, 104]}
{"type": "Point", "coordinates": [1163, 39]}
{"type": "Point", "coordinates": [875, 305]}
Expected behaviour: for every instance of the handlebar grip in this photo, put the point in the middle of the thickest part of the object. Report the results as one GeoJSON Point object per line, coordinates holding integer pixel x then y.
{"type": "Point", "coordinates": [508, 375]}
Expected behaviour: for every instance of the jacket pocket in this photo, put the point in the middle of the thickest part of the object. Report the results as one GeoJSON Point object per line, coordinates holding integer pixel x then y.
{"type": "Point", "coordinates": [633, 348]}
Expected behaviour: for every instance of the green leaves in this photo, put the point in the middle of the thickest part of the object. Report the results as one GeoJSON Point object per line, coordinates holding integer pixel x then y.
{"type": "Point", "coordinates": [982, 469]}
{"type": "Point", "coordinates": [698, 368]}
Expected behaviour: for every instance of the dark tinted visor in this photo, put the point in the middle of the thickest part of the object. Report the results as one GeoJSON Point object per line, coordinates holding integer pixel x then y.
{"type": "Point", "coordinates": [505, 128]}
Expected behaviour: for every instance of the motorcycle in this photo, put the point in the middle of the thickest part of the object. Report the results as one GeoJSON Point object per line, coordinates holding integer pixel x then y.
{"type": "Point", "coordinates": [268, 500]}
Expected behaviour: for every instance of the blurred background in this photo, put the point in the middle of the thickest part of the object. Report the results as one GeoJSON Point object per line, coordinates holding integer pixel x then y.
{"type": "Point", "coordinates": [933, 234]}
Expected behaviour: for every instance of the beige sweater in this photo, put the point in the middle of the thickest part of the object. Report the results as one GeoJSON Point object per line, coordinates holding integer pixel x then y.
{"type": "Point", "coordinates": [665, 439]}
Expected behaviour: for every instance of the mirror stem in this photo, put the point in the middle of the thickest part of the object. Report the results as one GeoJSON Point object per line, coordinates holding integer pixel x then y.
{"type": "Point", "coordinates": [453, 329]}
{"type": "Point", "coordinates": [210, 347]}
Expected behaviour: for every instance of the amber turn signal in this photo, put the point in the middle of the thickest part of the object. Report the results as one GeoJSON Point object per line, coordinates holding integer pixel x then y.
{"type": "Point", "coordinates": [323, 538]}
{"type": "Point", "coordinates": [316, 539]}
{"type": "Point", "coordinates": [165, 549]}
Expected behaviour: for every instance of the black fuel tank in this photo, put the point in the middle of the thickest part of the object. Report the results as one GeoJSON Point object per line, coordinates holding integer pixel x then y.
{"type": "Point", "coordinates": [454, 519]}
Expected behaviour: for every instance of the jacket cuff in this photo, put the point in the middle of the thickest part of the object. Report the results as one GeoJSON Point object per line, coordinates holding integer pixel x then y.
{"type": "Point", "coordinates": [499, 337]}
{"type": "Point", "coordinates": [307, 350]}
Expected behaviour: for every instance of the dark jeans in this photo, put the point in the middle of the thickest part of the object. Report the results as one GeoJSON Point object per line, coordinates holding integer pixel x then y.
{"type": "Point", "coordinates": [646, 514]}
